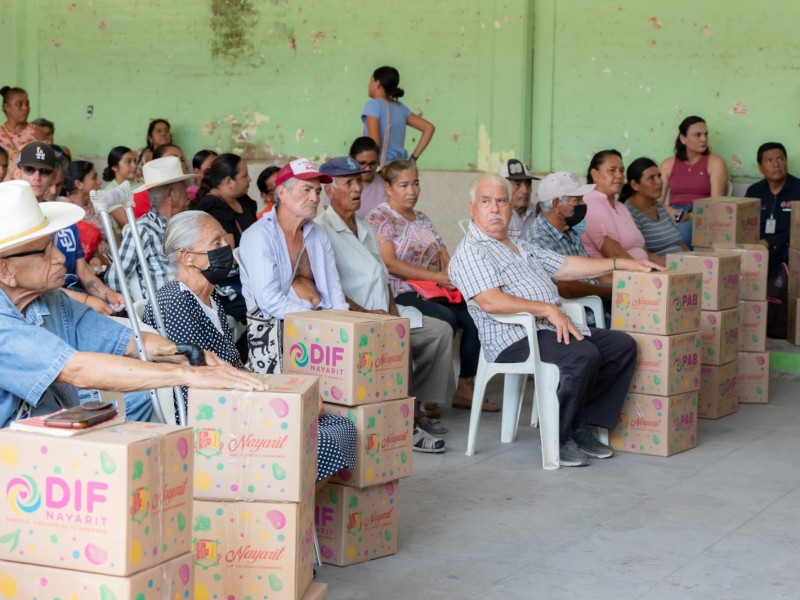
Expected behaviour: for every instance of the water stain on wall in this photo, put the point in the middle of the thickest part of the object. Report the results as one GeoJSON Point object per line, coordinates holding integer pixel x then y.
{"type": "Point", "coordinates": [231, 23]}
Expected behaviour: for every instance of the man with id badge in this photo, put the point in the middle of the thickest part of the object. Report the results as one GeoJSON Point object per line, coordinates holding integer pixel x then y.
{"type": "Point", "coordinates": [776, 191]}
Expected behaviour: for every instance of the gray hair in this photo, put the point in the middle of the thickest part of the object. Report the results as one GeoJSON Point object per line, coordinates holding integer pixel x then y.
{"type": "Point", "coordinates": [158, 193]}
{"type": "Point", "coordinates": [184, 230]}
{"type": "Point", "coordinates": [288, 184]}
{"type": "Point", "coordinates": [488, 177]}
{"type": "Point", "coordinates": [546, 205]}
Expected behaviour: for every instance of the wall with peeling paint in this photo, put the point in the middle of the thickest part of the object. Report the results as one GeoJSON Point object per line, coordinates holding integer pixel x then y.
{"type": "Point", "coordinates": [272, 78]}
{"type": "Point", "coordinates": [624, 73]}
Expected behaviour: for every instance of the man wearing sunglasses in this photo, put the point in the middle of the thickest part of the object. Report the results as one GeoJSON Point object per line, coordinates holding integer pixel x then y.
{"type": "Point", "coordinates": [37, 164]}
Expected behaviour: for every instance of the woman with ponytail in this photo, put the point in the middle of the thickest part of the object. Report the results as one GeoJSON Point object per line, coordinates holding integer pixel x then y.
{"type": "Point", "coordinates": [80, 179]}
{"type": "Point", "coordinates": [223, 195]}
{"type": "Point", "coordinates": [121, 167]}
{"type": "Point", "coordinates": [385, 117]}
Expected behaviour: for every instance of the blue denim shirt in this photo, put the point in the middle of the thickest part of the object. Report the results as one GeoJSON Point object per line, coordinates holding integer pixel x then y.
{"type": "Point", "coordinates": [35, 348]}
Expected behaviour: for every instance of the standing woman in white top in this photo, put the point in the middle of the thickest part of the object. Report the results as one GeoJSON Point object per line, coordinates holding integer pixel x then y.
{"type": "Point", "coordinates": [385, 117]}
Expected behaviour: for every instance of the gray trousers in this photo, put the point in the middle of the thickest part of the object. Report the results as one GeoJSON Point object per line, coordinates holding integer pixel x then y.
{"type": "Point", "coordinates": [432, 355]}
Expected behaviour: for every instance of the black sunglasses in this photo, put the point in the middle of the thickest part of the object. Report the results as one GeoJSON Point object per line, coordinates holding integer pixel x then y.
{"type": "Point", "coordinates": [43, 171]}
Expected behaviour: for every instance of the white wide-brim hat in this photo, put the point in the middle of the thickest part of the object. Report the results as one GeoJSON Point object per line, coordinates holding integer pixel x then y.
{"type": "Point", "coordinates": [162, 171]}
{"type": "Point", "coordinates": [24, 219]}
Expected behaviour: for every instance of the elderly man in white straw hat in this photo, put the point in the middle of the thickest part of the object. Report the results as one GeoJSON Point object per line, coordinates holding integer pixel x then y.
{"type": "Point", "coordinates": [165, 182]}
{"type": "Point", "coordinates": [49, 344]}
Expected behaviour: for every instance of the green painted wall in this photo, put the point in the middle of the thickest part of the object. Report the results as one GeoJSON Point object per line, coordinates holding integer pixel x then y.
{"type": "Point", "coordinates": [550, 81]}
{"type": "Point", "coordinates": [623, 74]}
{"type": "Point", "coordinates": [275, 77]}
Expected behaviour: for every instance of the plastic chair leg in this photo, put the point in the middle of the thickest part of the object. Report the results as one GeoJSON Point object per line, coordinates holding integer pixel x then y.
{"type": "Point", "coordinates": [481, 380]}
{"type": "Point", "coordinates": [513, 389]}
{"type": "Point", "coordinates": [548, 428]}
{"type": "Point", "coordinates": [535, 411]}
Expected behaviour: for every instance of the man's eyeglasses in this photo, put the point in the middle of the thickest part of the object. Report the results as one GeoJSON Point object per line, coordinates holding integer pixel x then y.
{"type": "Point", "coordinates": [44, 250]}
{"type": "Point", "coordinates": [43, 171]}
{"type": "Point", "coordinates": [368, 165]}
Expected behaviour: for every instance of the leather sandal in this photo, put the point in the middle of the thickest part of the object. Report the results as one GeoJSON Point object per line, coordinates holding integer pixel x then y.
{"type": "Point", "coordinates": [432, 410]}
{"type": "Point", "coordinates": [488, 405]}
{"type": "Point", "coordinates": [432, 426]}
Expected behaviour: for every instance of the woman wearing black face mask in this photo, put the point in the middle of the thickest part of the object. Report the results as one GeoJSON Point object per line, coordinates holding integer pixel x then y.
{"type": "Point", "coordinates": [195, 245]}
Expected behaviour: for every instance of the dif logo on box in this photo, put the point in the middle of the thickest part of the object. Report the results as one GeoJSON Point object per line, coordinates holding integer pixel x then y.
{"type": "Point", "coordinates": [59, 494]}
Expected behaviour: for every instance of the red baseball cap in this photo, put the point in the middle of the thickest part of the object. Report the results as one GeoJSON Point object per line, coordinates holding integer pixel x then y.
{"type": "Point", "coordinates": [301, 168]}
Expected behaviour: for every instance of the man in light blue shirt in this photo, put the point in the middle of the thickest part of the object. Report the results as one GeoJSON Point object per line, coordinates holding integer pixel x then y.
{"type": "Point", "coordinates": [287, 258]}
{"type": "Point", "coordinates": [49, 344]}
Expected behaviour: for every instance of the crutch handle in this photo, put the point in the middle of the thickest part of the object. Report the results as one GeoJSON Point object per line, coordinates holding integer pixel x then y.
{"type": "Point", "coordinates": [105, 200]}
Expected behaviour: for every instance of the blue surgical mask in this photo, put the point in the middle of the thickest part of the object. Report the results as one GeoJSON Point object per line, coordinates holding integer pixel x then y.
{"type": "Point", "coordinates": [579, 228]}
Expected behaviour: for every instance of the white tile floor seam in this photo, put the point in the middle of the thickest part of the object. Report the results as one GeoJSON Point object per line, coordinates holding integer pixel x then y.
{"type": "Point", "coordinates": [714, 522]}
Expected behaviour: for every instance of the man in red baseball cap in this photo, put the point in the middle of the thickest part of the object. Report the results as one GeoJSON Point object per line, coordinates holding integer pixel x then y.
{"type": "Point", "coordinates": [286, 259]}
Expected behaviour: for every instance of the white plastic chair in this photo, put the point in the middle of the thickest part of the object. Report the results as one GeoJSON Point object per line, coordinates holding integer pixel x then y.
{"type": "Point", "coordinates": [546, 381]}
{"type": "Point", "coordinates": [595, 304]}
{"type": "Point", "coordinates": [464, 224]}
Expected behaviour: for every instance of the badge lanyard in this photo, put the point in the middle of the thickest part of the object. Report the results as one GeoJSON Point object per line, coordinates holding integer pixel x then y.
{"type": "Point", "coordinates": [769, 226]}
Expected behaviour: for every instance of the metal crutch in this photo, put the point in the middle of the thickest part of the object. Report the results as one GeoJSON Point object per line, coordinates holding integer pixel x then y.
{"type": "Point", "coordinates": [103, 200]}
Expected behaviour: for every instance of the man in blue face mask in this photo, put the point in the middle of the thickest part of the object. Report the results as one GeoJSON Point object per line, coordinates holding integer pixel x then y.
{"type": "Point", "coordinates": [558, 228]}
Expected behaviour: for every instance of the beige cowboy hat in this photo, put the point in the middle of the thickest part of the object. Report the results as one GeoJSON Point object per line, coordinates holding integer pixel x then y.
{"type": "Point", "coordinates": [25, 220]}
{"type": "Point", "coordinates": [162, 171]}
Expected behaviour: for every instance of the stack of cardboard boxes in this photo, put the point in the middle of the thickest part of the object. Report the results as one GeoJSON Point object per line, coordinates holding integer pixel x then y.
{"type": "Point", "coordinates": [362, 361]}
{"type": "Point", "coordinates": [719, 324]}
{"type": "Point", "coordinates": [661, 311]}
{"type": "Point", "coordinates": [753, 382]}
{"type": "Point", "coordinates": [103, 514]}
{"type": "Point", "coordinates": [255, 467]}
{"type": "Point", "coordinates": [793, 326]}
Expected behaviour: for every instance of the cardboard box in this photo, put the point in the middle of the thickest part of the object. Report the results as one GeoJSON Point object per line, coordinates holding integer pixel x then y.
{"type": "Point", "coordinates": [359, 358]}
{"type": "Point", "coordinates": [666, 364]}
{"type": "Point", "coordinates": [172, 579]}
{"type": "Point", "coordinates": [720, 336]}
{"type": "Point", "coordinates": [115, 501]}
{"type": "Point", "coordinates": [256, 445]}
{"type": "Point", "coordinates": [253, 549]}
{"type": "Point", "coordinates": [719, 392]}
{"type": "Point", "coordinates": [384, 442]}
{"type": "Point", "coordinates": [356, 525]}
{"type": "Point", "coordinates": [720, 272]}
{"type": "Point", "coordinates": [794, 227]}
{"type": "Point", "coordinates": [656, 425]}
{"type": "Point", "coordinates": [794, 272]}
{"type": "Point", "coordinates": [316, 591]}
{"type": "Point", "coordinates": [753, 325]}
{"type": "Point", "coordinates": [753, 377]}
{"type": "Point", "coordinates": [793, 323]}
{"type": "Point", "coordinates": [754, 270]}
{"type": "Point", "coordinates": [724, 219]}
{"type": "Point", "coordinates": [662, 303]}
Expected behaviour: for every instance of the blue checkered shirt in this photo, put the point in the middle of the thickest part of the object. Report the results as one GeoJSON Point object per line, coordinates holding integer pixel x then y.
{"type": "Point", "coordinates": [151, 228]}
{"type": "Point", "coordinates": [542, 234]}
{"type": "Point", "coordinates": [482, 263]}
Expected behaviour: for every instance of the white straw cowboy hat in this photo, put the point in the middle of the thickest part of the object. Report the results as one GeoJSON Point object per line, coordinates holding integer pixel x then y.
{"type": "Point", "coordinates": [163, 171]}
{"type": "Point", "coordinates": [25, 220]}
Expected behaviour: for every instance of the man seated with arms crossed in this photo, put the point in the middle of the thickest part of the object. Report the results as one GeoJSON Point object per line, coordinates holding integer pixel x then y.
{"type": "Point", "coordinates": [286, 257]}
{"type": "Point", "coordinates": [776, 191]}
{"type": "Point", "coordinates": [558, 228]}
{"type": "Point", "coordinates": [365, 282]}
{"type": "Point", "coordinates": [49, 344]}
{"type": "Point", "coordinates": [507, 275]}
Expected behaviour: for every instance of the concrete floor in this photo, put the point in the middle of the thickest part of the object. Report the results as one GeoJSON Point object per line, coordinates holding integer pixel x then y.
{"type": "Point", "coordinates": [718, 521]}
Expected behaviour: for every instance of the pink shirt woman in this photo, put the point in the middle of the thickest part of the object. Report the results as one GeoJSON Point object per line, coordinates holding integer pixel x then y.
{"type": "Point", "coordinates": [610, 229]}
{"type": "Point", "coordinates": [16, 132]}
